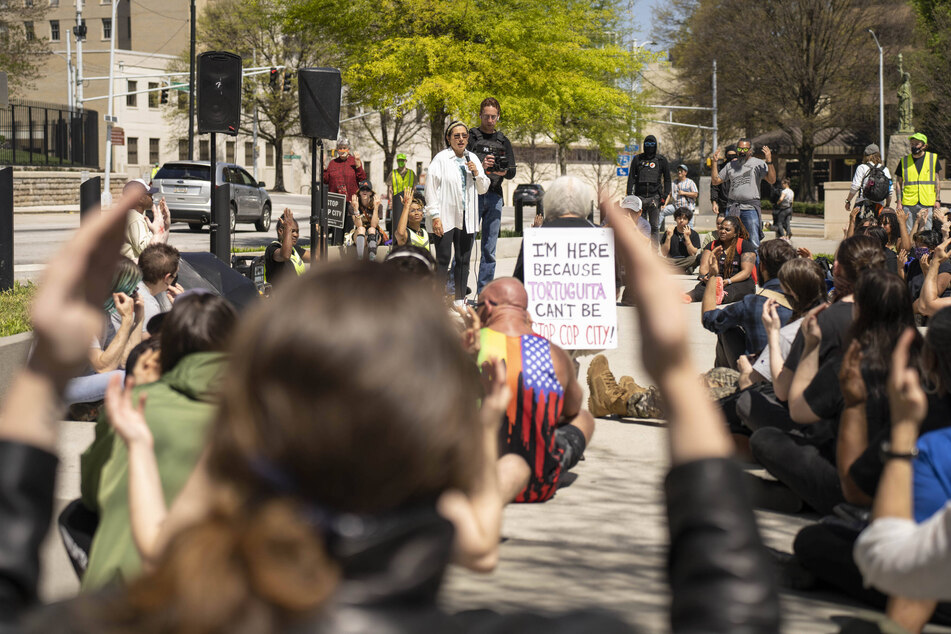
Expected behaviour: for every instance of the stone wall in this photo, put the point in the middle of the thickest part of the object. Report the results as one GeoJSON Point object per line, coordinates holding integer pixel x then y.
{"type": "Point", "coordinates": [35, 188]}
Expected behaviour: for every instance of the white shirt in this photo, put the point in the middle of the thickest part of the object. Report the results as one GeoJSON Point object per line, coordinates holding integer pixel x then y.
{"type": "Point", "coordinates": [900, 557]}
{"type": "Point", "coordinates": [858, 182]}
{"type": "Point", "coordinates": [445, 198]}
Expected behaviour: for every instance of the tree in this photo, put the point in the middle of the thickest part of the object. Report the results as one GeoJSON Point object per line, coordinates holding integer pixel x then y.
{"type": "Point", "coordinates": [21, 51]}
{"type": "Point", "coordinates": [543, 61]}
{"type": "Point", "coordinates": [804, 66]}
{"type": "Point", "coordinates": [256, 30]}
{"type": "Point", "coordinates": [931, 66]}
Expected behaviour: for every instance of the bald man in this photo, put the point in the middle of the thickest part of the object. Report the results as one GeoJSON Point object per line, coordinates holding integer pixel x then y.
{"type": "Point", "coordinates": [544, 423]}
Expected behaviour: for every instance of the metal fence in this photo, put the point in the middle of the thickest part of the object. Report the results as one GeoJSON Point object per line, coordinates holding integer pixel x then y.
{"type": "Point", "coordinates": [41, 134]}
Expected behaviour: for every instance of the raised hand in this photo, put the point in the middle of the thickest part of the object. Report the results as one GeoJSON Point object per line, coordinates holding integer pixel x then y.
{"type": "Point", "coordinates": [470, 336]}
{"type": "Point", "coordinates": [768, 153]}
{"type": "Point", "coordinates": [942, 252]}
{"type": "Point", "coordinates": [125, 305]}
{"type": "Point", "coordinates": [906, 398]}
{"type": "Point", "coordinates": [811, 332]}
{"type": "Point", "coordinates": [770, 317]}
{"type": "Point", "coordinates": [803, 252]}
{"type": "Point", "coordinates": [850, 376]}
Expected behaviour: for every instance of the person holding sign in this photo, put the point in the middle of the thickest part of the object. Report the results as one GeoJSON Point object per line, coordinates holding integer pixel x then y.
{"type": "Point", "coordinates": [546, 397]}
{"type": "Point", "coordinates": [283, 255]}
{"type": "Point", "coordinates": [455, 179]}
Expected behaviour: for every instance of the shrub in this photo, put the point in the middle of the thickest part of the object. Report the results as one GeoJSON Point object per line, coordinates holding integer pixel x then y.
{"type": "Point", "coordinates": [15, 309]}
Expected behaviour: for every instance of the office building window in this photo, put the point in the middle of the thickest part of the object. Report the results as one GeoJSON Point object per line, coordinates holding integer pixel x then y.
{"type": "Point", "coordinates": [28, 3]}
{"type": "Point", "coordinates": [131, 101]}
{"type": "Point", "coordinates": [54, 3]}
{"type": "Point", "coordinates": [154, 95]}
{"type": "Point", "coordinates": [204, 151]}
{"type": "Point", "coordinates": [182, 100]}
{"type": "Point", "coordinates": [132, 150]}
{"type": "Point", "coordinates": [154, 151]}
{"type": "Point", "coordinates": [54, 30]}
{"type": "Point", "coordinates": [183, 149]}
{"type": "Point", "coordinates": [248, 153]}
{"type": "Point", "coordinates": [106, 28]}
{"type": "Point", "coordinates": [30, 33]}
{"type": "Point", "coordinates": [269, 155]}
{"type": "Point", "coordinates": [229, 151]}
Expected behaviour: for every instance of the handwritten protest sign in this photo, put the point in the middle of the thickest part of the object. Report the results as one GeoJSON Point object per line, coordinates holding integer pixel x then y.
{"type": "Point", "coordinates": [569, 276]}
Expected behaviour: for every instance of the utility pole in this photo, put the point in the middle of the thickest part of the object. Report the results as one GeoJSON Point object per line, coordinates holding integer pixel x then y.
{"type": "Point", "coordinates": [80, 31]}
{"type": "Point", "coordinates": [107, 194]}
{"type": "Point", "coordinates": [254, 129]}
{"type": "Point", "coordinates": [70, 84]}
{"type": "Point", "coordinates": [191, 89]}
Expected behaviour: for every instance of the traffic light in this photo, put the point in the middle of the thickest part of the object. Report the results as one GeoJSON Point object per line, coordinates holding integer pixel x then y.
{"type": "Point", "coordinates": [287, 80]}
{"type": "Point", "coordinates": [272, 81]}
{"type": "Point", "coordinates": [164, 98]}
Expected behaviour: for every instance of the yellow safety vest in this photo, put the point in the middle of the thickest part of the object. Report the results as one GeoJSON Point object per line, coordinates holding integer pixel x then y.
{"type": "Point", "coordinates": [296, 260]}
{"type": "Point", "coordinates": [418, 240]}
{"type": "Point", "coordinates": [919, 189]}
{"type": "Point", "coordinates": [400, 183]}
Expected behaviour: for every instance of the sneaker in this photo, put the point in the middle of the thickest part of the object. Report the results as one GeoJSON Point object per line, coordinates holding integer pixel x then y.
{"type": "Point", "coordinates": [606, 398]}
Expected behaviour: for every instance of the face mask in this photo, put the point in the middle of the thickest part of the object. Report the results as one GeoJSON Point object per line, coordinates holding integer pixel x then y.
{"type": "Point", "coordinates": [921, 252]}
{"type": "Point", "coordinates": [915, 149]}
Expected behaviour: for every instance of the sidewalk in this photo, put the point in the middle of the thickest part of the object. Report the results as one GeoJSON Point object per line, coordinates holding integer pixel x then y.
{"type": "Point", "coordinates": [602, 540]}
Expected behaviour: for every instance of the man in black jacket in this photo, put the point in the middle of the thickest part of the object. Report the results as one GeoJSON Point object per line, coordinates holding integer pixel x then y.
{"type": "Point", "coordinates": [649, 178]}
{"type": "Point", "coordinates": [495, 151]}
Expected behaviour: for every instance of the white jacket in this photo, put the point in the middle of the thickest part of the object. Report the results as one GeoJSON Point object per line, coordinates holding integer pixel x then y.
{"type": "Point", "coordinates": [444, 194]}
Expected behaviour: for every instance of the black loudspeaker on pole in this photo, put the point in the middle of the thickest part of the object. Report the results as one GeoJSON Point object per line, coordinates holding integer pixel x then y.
{"type": "Point", "coordinates": [219, 92]}
{"type": "Point", "coordinates": [6, 228]}
{"type": "Point", "coordinates": [90, 194]}
{"type": "Point", "coordinates": [319, 92]}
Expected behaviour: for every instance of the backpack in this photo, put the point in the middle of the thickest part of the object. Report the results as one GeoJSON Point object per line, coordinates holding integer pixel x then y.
{"type": "Point", "coordinates": [774, 194]}
{"type": "Point", "coordinates": [876, 184]}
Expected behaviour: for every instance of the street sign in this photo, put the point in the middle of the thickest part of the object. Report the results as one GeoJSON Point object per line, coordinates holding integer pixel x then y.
{"type": "Point", "coordinates": [118, 135]}
{"type": "Point", "coordinates": [634, 147]}
{"type": "Point", "coordinates": [108, 118]}
{"type": "Point", "coordinates": [622, 171]}
{"type": "Point", "coordinates": [850, 161]}
{"type": "Point", "coordinates": [624, 160]}
{"type": "Point", "coordinates": [336, 210]}
{"type": "Point", "coordinates": [291, 157]}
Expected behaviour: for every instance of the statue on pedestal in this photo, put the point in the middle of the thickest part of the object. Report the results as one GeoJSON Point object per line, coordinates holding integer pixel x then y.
{"type": "Point", "coordinates": [905, 106]}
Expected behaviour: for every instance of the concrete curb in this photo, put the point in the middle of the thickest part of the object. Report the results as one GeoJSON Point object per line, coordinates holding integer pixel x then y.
{"type": "Point", "coordinates": [14, 351]}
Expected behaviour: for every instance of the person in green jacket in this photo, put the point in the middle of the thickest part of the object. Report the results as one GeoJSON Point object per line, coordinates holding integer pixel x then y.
{"type": "Point", "coordinates": [178, 409]}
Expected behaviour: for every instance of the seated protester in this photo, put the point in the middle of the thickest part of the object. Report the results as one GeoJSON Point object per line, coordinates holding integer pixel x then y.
{"type": "Point", "coordinates": [931, 299]}
{"type": "Point", "coordinates": [367, 234]}
{"type": "Point", "coordinates": [144, 363]}
{"type": "Point", "coordinates": [545, 423]}
{"type": "Point", "coordinates": [410, 229]}
{"type": "Point", "coordinates": [882, 311]}
{"type": "Point", "coordinates": [634, 207]}
{"type": "Point", "coordinates": [412, 259]}
{"type": "Point", "coordinates": [159, 286]}
{"type": "Point", "coordinates": [178, 412]}
{"type": "Point", "coordinates": [803, 283]}
{"type": "Point", "coordinates": [891, 258]}
{"type": "Point", "coordinates": [730, 266]}
{"type": "Point", "coordinates": [122, 331]}
{"type": "Point", "coordinates": [283, 256]}
{"type": "Point", "coordinates": [567, 203]}
{"type": "Point", "coordinates": [925, 244]}
{"type": "Point", "coordinates": [739, 325]}
{"type": "Point", "coordinates": [680, 243]}
{"type": "Point", "coordinates": [894, 226]}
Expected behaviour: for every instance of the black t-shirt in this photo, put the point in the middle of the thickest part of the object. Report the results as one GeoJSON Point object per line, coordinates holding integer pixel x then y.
{"type": "Point", "coordinates": [891, 261]}
{"type": "Point", "coordinates": [273, 270]}
{"type": "Point", "coordinates": [834, 322]}
{"type": "Point", "coordinates": [678, 243]}
{"type": "Point", "coordinates": [496, 144]}
{"type": "Point", "coordinates": [916, 278]}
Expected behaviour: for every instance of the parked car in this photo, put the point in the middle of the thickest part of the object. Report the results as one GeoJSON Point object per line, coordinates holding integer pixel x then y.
{"type": "Point", "coordinates": [528, 194]}
{"type": "Point", "coordinates": [186, 187]}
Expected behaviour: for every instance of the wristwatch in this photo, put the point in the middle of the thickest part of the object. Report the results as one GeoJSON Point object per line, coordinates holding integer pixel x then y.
{"type": "Point", "coordinates": [887, 453]}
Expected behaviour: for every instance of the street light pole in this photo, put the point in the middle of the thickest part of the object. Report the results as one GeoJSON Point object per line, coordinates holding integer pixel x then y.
{"type": "Point", "coordinates": [881, 94]}
{"type": "Point", "coordinates": [191, 89]}
{"type": "Point", "coordinates": [107, 194]}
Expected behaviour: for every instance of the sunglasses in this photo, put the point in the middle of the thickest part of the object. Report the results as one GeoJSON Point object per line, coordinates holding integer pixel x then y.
{"type": "Point", "coordinates": [460, 136]}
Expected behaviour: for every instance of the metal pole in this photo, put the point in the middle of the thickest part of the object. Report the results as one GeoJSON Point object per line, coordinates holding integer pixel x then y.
{"type": "Point", "coordinates": [70, 85]}
{"type": "Point", "coordinates": [315, 198]}
{"type": "Point", "coordinates": [881, 101]}
{"type": "Point", "coordinates": [79, 54]}
{"type": "Point", "coordinates": [89, 197]}
{"type": "Point", "coordinates": [191, 89]}
{"type": "Point", "coordinates": [714, 105]}
{"type": "Point", "coordinates": [6, 229]}
{"type": "Point", "coordinates": [107, 193]}
{"type": "Point", "coordinates": [323, 206]}
{"type": "Point", "coordinates": [213, 212]}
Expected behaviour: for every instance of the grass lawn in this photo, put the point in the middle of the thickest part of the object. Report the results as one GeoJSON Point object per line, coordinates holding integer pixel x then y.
{"type": "Point", "coordinates": [15, 309]}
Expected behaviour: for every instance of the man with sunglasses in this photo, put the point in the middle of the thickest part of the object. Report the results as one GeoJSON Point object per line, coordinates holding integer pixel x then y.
{"type": "Point", "coordinates": [744, 174]}
{"type": "Point", "coordinates": [649, 179]}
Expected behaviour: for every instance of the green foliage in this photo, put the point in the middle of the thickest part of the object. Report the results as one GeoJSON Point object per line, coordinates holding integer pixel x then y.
{"type": "Point", "coordinates": [15, 309]}
{"type": "Point", "coordinates": [801, 208]}
{"type": "Point", "coordinates": [547, 62]}
{"type": "Point", "coordinates": [930, 67]}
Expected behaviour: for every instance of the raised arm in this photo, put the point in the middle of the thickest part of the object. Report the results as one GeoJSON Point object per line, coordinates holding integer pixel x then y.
{"type": "Point", "coordinates": [400, 234]}
{"type": "Point", "coordinates": [799, 409]}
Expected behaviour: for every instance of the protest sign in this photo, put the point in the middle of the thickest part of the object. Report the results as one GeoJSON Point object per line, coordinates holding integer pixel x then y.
{"type": "Point", "coordinates": [569, 276]}
{"type": "Point", "coordinates": [336, 210]}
